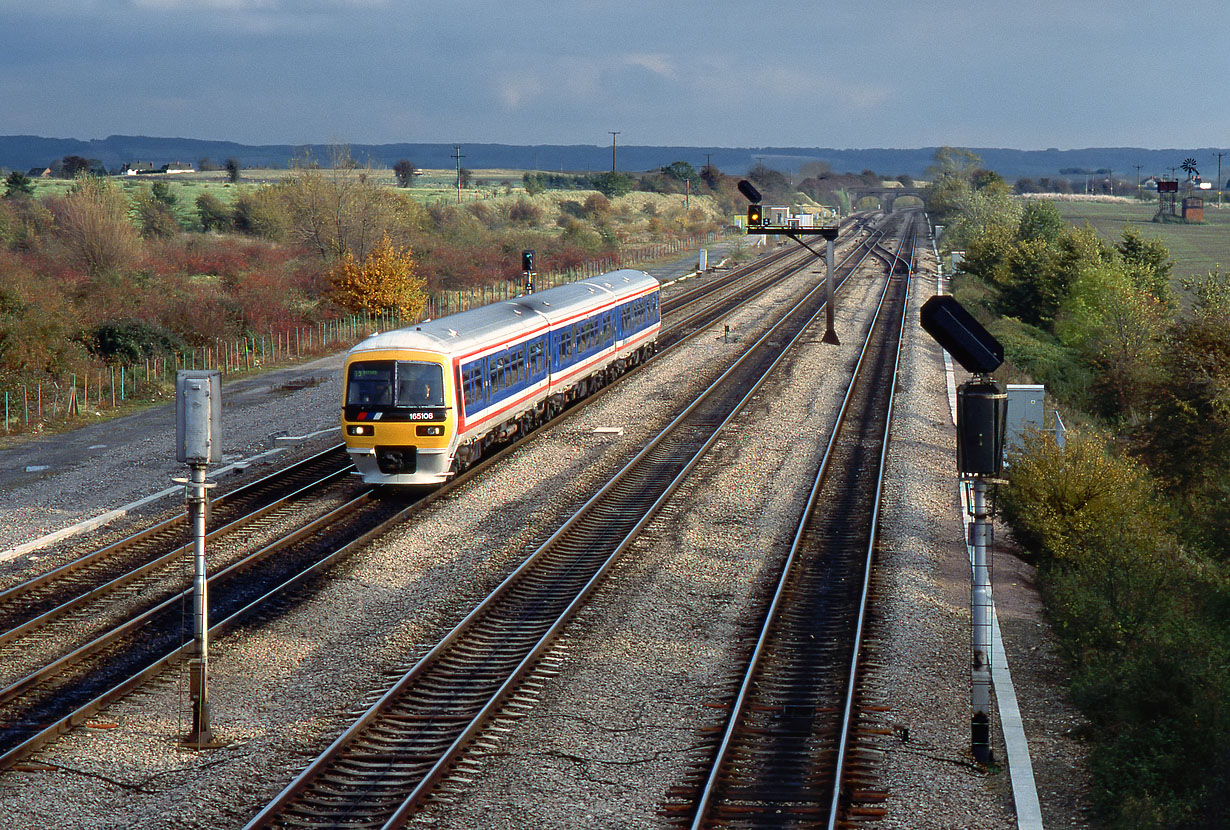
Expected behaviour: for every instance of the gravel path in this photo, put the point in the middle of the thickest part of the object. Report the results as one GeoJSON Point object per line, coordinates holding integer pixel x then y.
{"type": "Point", "coordinates": [617, 716]}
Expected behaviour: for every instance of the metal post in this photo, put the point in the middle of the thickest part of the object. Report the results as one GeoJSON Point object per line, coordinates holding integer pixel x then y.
{"type": "Point", "coordinates": [198, 665]}
{"type": "Point", "coordinates": [980, 630]}
{"type": "Point", "coordinates": [830, 334]}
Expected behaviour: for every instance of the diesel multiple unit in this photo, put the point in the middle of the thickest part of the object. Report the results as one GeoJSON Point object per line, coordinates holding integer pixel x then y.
{"type": "Point", "coordinates": [422, 403]}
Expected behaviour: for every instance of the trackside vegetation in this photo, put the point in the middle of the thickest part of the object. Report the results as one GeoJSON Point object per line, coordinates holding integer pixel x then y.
{"type": "Point", "coordinates": [100, 271]}
{"type": "Point", "coordinates": [1128, 522]}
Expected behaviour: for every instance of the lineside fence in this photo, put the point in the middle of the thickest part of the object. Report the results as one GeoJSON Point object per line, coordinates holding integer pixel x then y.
{"type": "Point", "coordinates": [109, 387]}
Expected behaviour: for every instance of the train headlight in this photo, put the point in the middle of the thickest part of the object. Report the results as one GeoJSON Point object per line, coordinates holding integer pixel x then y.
{"type": "Point", "coordinates": [424, 429]}
{"type": "Point", "coordinates": [360, 429]}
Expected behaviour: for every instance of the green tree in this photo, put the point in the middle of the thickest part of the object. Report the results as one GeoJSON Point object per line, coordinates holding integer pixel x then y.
{"type": "Point", "coordinates": [983, 178]}
{"type": "Point", "coordinates": [73, 166]}
{"type": "Point", "coordinates": [405, 171]}
{"type": "Point", "coordinates": [772, 184]}
{"type": "Point", "coordinates": [1150, 262]}
{"type": "Point", "coordinates": [532, 182]}
{"type": "Point", "coordinates": [986, 251]}
{"type": "Point", "coordinates": [1188, 439]}
{"type": "Point", "coordinates": [683, 172]}
{"type": "Point", "coordinates": [232, 170]}
{"type": "Point", "coordinates": [1040, 219]}
{"type": "Point", "coordinates": [1030, 286]}
{"type": "Point", "coordinates": [1117, 329]}
{"type": "Point", "coordinates": [154, 215]}
{"type": "Point", "coordinates": [213, 213]}
{"type": "Point", "coordinates": [17, 185]}
{"type": "Point", "coordinates": [161, 191]}
{"type": "Point", "coordinates": [953, 162]}
{"type": "Point", "coordinates": [612, 185]}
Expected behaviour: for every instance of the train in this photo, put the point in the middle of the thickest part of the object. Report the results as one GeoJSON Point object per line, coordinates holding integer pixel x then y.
{"type": "Point", "coordinates": [422, 403]}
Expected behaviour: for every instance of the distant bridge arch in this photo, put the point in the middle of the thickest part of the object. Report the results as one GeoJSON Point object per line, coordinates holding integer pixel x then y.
{"type": "Point", "coordinates": [886, 196]}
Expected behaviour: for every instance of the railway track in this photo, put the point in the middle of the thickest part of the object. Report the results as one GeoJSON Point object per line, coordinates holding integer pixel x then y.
{"type": "Point", "coordinates": [398, 752]}
{"type": "Point", "coordinates": [100, 662]}
{"type": "Point", "coordinates": [797, 749]}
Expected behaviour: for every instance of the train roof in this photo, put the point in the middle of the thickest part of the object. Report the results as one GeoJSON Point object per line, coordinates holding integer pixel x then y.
{"type": "Point", "coordinates": [492, 324]}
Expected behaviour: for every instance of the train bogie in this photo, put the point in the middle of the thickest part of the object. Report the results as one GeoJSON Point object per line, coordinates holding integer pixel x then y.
{"type": "Point", "coordinates": [424, 402]}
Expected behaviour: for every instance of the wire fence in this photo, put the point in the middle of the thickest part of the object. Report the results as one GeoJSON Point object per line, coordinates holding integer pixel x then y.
{"type": "Point", "coordinates": [105, 389]}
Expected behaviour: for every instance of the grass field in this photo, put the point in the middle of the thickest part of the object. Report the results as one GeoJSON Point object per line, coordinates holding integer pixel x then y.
{"type": "Point", "coordinates": [429, 186]}
{"type": "Point", "coordinates": [1196, 249]}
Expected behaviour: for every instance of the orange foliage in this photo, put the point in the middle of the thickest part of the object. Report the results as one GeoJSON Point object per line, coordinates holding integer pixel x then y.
{"type": "Point", "coordinates": [385, 280]}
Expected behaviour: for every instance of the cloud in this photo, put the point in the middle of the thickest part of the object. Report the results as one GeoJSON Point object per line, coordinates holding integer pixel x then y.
{"type": "Point", "coordinates": [657, 64]}
{"type": "Point", "coordinates": [516, 90]}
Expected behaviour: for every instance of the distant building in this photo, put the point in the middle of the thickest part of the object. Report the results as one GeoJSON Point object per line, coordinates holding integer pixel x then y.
{"type": "Point", "coordinates": [39, 173]}
{"type": "Point", "coordinates": [137, 167]}
{"type": "Point", "coordinates": [1193, 209]}
{"type": "Point", "coordinates": [177, 167]}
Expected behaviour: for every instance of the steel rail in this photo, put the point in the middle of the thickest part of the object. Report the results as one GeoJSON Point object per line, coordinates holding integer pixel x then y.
{"type": "Point", "coordinates": [337, 750]}
{"type": "Point", "coordinates": [65, 722]}
{"type": "Point", "coordinates": [171, 524]}
{"type": "Point", "coordinates": [779, 596]}
{"type": "Point", "coordinates": [856, 652]}
{"type": "Point", "coordinates": [164, 560]}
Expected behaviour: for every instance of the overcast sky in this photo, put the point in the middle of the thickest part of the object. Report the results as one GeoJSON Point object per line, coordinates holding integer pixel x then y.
{"type": "Point", "coordinates": [1029, 74]}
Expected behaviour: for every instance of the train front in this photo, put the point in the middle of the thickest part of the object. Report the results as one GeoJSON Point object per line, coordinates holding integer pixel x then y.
{"type": "Point", "coordinates": [397, 413]}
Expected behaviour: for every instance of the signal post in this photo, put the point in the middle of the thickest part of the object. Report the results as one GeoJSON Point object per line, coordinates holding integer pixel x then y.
{"type": "Point", "coordinates": [982, 406]}
{"type": "Point", "coordinates": [198, 428]}
{"type": "Point", "coordinates": [756, 224]}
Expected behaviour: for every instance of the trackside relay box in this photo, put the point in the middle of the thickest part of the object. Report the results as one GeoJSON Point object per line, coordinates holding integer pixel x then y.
{"type": "Point", "coordinates": [198, 416]}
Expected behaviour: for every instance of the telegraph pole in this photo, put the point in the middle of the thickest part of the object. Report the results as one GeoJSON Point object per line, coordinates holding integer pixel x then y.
{"type": "Point", "coordinates": [1138, 166]}
{"type": "Point", "coordinates": [1220, 184]}
{"type": "Point", "coordinates": [457, 155]}
{"type": "Point", "coordinates": [613, 134]}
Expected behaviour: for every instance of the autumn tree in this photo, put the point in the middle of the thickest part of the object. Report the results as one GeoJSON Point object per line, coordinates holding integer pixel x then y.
{"type": "Point", "coordinates": [383, 281]}
{"type": "Point", "coordinates": [338, 210]}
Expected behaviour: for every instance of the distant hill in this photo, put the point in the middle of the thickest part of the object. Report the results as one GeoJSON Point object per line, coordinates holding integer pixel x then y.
{"type": "Point", "coordinates": [23, 152]}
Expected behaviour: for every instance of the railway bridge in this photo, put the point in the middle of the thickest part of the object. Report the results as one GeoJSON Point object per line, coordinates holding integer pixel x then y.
{"type": "Point", "coordinates": [885, 195]}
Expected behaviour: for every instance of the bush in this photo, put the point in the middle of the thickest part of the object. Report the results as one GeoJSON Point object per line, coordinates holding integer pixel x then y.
{"type": "Point", "coordinates": [131, 340]}
{"type": "Point", "coordinates": [1044, 358]}
{"type": "Point", "coordinates": [23, 222]}
{"type": "Point", "coordinates": [1060, 499]}
{"type": "Point", "coordinates": [92, 222]}
{"type": "Point", "coordinates": [213, 213]}
{"type": "Point", "coordinates": [1141, 624]}
{"type": "Point", "coordinates": [523, 210]}
{"type": "Point", "coordinates": [155, 216]}
{"type": "Point", "coordinates": [258, 213]}
{"type": "Point", "coordinates": [37, 322]}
